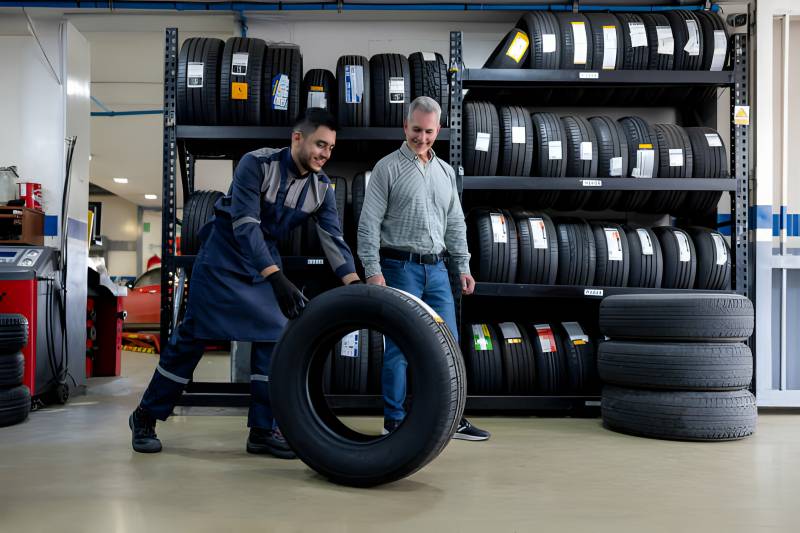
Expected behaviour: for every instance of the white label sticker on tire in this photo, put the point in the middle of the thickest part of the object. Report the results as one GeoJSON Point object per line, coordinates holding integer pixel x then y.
{"type": "Point", "coordinates": [609, 47]}
{"type": "Point", "coordinates": [353, 84]}
{"type": "Point", "coordinates": [518, 134]}
{"type": "Point", "coordinates": [194, 75]}
{"type": "Point", "coordinates": [510, 330]}
{"type": "Point", "coordinates": [713, 140]}
{"type": "Point", "coordinates": [684, 252]}
{"type": "Point", "coordinates": [397, 90]}
{"type": "Point", "coordinates": [615, 166]}
{"type": "Point", "coordinates": [548, 43]}
{"type": "Point", "coordinates": [579, 43]}
{"type": "Point", "coordinates": [646, 242]}
{"type": "Point", "coordinates": [317, 99]}
{"type": "Point", "coordinates": [239, 64]}
{"type": "Point", "coordinates": [645, 161]}
{"type": "Point", "coordinates": [554, 150]}
{"type": "Point", "coordinates": [280, 92]}
{"type": "Point", "coordinates": [720, 50]}
{"type": "Point", "coordinates": [666, 42]}
{"type": "Point", "coordinates": [613, 244]}
{"type": "Point", "coordinates": [586, 151]}
{"type": "Point", "coordinates": [638, 34]}
{"type": "Point", "coordinates": [429, 56]}
{"type": "Point", "coordinates": [499, 231]}
{"type": "Point", "coordinates": [676, 157]}
{"type": "Point", "coordinates": [546, 338]}
{"type": "Point", "coordinates": [350, 345]}
{"type": "Point", "coordinates": [720, 248]}
{"type": "Point", "coordinates": [481, 338]}
{"type": "Point", "coordinates": [538, 233]}
{"type": "Point", "coordinates": [576, 333]}
{"type": "Point", "coordinates": [693, 44]}
{"type": "Point", "coordinates": [482, 141]}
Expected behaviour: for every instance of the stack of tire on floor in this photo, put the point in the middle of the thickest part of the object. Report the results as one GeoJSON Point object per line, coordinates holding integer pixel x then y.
{"type": "Point", "coordinates": [529, 247]}
{"type": "Point", "coordinates": [355, 364]}
{"type": "Point", "coordinates": [15, 398]}
{"type": "Point", "coordinates": [509, 141]}
{"type": "Point", "coordinates": [528, 358]}
{"type": "Point", "coordinates": [245, 81]}
{"type": "Point", "coordinates": [676, 366]}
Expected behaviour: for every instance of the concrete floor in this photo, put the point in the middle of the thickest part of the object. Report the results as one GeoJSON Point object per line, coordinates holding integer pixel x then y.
{"type": "Point", "coordinates": [71, 469]}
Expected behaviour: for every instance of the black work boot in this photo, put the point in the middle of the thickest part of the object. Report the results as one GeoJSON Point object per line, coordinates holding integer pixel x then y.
{"type": "Point", "coordinates": [269, 441]}
{"type": "Point", "coordinates": [143, 427]}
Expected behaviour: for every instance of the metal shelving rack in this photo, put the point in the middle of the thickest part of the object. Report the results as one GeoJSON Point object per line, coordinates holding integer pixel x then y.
{"type": "Point", "coordinates": [510, 80]}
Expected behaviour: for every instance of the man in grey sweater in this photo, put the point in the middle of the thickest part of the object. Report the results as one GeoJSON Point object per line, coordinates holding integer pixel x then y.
{"type": "Point", "coordinates": [411, 219]}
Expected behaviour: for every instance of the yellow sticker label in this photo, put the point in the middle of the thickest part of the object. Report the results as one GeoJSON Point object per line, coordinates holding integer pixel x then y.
{"type": "Point", "coordinates": [238, 91]}
{"type": "Point", "coordinates": [609, 27]}
{"type": "Point", "coordinates": [485, 331]}
{"type": "Point", "coordinates": [518, 47]}
{"type": "Point", "coordinates": [514, 341]}
{"type": "Point", "coordinates": [317, 88]}
{"type": "Point", "coordinates": [579, 342]}
{"type": "Point", "coordinates": [741, 115]}
{"type": "Point", "coordinates": [645, 147]}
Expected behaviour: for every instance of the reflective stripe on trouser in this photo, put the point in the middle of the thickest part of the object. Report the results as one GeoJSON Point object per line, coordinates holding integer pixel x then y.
{"type": "Point", "coordinates": [431, 283]}
{"type": "Point", "coordinates": [260, 413]}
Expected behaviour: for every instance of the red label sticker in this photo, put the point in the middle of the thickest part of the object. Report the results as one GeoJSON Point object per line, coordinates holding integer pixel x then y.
{"type": "Point", "coordinates": [546, 338]}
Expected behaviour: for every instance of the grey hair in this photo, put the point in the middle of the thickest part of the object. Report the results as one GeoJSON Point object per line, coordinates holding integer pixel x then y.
{"type": "Point", "coordinates": [426, 104]}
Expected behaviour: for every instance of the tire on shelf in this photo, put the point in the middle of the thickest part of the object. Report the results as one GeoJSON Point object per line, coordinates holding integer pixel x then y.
{"type": "Point", "coordinates": [688, 317]}
{"type": "Point", "coordinates": [581, 152]}
{"type": "Point", "coordinates": [575, 57]}
{"type": "Point", "coordinates": [376, 348]}
{"type": "Point", "coordinates": [390, 76]}
{"type": "Point", "coordinates": [492, 237]}
{"type": "Point", "coordinates": [580, 359]}
{"type": "Point", "coordinates": [577, 254]}
{"type": "Point", "coordinates": [549, 157]}
{"type": "Point", "coordinates": [647, 261]}
{"type": "Point", "coordinates": [693, 416]}
{"type": "Point", "coordinates": [15, 405]}
{"type": "Point", "coordinates": [716, 49]}
{"type": "Point", "coordinates": [359, 189]}
{"type": "Point", "coordinates": [635, 44]}
{"type": "Point", "coordinates": [511, 52]}
{"type": "Point", "coordinates": [283, 78]}
{"type": "Point", "coordinates": [319, 90]}
{"type": "Point", "coordinates": [483, 359]}
{"type": "Point", "coordinates": [608, 53]}
{"type": "Point", "coordinates": [429, 78]}
{"type": "Point", "coordinates": [350, 368]}
{"type": "Point", "coordinates": [481, 153]}
{"type": "Point", "coordinates": [710, 161]}
{"type": "Point", "coordinates": [12, 369]}
{"type": "Point", "coordinates": [662, 55]}
{"type": "Point", "coordinates": [518, 359]}
{"type": "Point", "coordinates": [613, 255]}
{"type": "Point", "coordinates": [713, 259]}
{"type": "Point", "coordinates": [13, 333]}
{"type": "Point", "coordinates": [676, 366]}
{"type": "Point", "coordinates": [548, 353]}
{"type": "Point", "coordinates": [240, 104]}
{"type": "Point", "coordinates": [538, 248]}
{"type": "Point", "coordinates": [674, 147]}
{"type": "Point", "coordinates": [438, 391]}
{"type": "Point", "coordinates": [680, 258]}
{"type": "Point", "coordinates": [197, 212]}
{"type": "Point", "coordinates": [545, 35]}
{"type": "Point", "coordinates": [197, 97]}
{"type": "Point", "coordinates": [640, 138]}
{"type": "Point", "coordinates": [612, 160]}
{"type": "Point", "coordinates": [516, 141]}
{"type": "Point", "coordinates": [688, 47]}
{"type": "Point", "coordinates": [354, 91]}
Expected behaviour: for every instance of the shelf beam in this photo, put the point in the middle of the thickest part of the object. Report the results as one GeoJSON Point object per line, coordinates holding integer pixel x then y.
{"type": "Point", "coordinates": [607, 184]}
{"type": "Point", "coordinates": [517, 290]}
{"type": "Point", "coordinates": [284, 133]}
{"type": "Point", "coordinates": [506, 78]}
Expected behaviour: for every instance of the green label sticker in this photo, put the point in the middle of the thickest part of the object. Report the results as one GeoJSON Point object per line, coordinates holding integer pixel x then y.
{"type": "Point", "coordinates": [481, 337]}
{"type": "Point", "coordinates": [147, 227]}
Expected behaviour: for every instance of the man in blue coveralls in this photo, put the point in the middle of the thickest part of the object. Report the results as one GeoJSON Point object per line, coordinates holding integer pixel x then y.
{"type": "Point", "coordinates": [238, 290]}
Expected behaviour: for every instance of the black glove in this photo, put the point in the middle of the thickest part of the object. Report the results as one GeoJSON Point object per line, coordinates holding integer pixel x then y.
{"type": "Point", "coordinates": [290, 299]}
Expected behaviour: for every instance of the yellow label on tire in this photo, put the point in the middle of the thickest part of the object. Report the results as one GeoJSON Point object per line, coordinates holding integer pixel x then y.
{"type": "Point", "coordinates": [645, 147]}
{"type": "Point", "coordinates": [518, 47]}
{"type": "Point", "coordinates": [238, 91]}
{"type": "Point", "coordinates": [317, 88]}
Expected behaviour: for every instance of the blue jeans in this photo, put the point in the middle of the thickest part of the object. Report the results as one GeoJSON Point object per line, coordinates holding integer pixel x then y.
{"type": "Point", "coordinates": [431, 284]}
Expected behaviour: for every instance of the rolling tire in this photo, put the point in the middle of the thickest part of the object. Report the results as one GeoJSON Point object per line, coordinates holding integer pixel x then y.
{"type": "Point", "coordinates": [577, 255]}
{"type": "Point", "coordinates": [429, 78]}
{"type": "Point", "coordinates": [677, 317]}
{"type": "Point", "coordinates": [15, 405]}
{"type": "Point", "coordinates": [511, 52]}
{"type": "Point", "coordinates": [612, 160]}
{"type": "Point", "coordinates": [390, 76]}
{"type": "Point", "coordinates": [516, 151]}
{"type": "Point", "coordinates": [647, 261]}
{"type": "Point", "coordinates": [283, 78]}
{"type": "Point", "coordinates": [235, 107]}
{"type": "Point", "coordinates": [638, 135]}
{"type": "Point", "coordinates": [542, 26]}
{"type": "Point", "coordinates": [693, 416]}
{"type": "Point", "coordinates": [438, 390]}
{"type": "Point", "coordinates": [319, 90]}
{"type": "Point", "coordinates": [481, 119]}
{"type": "Point", "coordinates": [484, 360]}
{"type": "Point", "coordinates": [579, 134]}
{"type": "Point", "coordinates": [538, 248]}
{"type": "Point", "coordinates": [613, 255]}
{"type": "Point", "coordinates": [199, 104]}
{"type": "Point", "coordinates": [680, 258]}
{"type": "Point", "coordinates": [197, 212]}
{"type": "Point", "coordinates": [354, 91]}
{"type": "Point", "coordinates": [713, 259]}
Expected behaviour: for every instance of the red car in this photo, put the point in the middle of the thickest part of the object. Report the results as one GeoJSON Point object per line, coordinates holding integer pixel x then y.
{"type": "Point", "coordinates": [143, 305]}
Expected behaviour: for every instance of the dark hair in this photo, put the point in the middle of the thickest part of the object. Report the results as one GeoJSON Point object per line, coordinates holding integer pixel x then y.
{"type": "Point", "coordinates": [312, 118]}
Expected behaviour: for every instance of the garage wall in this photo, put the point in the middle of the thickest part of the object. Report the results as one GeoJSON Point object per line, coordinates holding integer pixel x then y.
{"type": "Point", "coordinates": [119, 227]}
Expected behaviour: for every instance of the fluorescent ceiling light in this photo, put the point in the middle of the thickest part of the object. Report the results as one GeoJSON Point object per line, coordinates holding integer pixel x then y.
{"type": "Point", "coordinates": [151, 197]}
{"type": "Point", "coordinates": [120, 180]}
